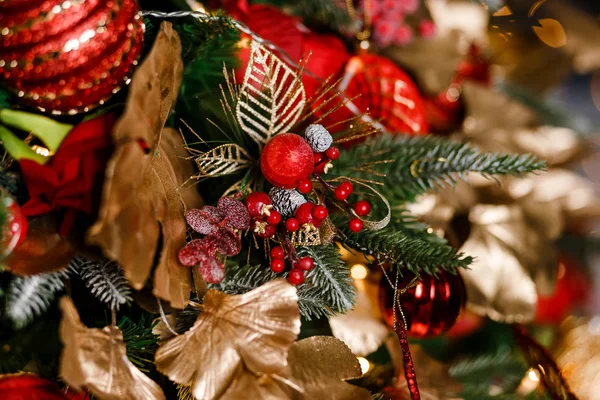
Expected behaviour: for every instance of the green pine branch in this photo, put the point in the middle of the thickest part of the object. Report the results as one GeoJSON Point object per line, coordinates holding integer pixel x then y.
{"type": "Point", "coordinates": [415, 254]}
{"type": "Point", "coordinates": [141, 343]}
{"type": "Point", "coordinates": [318, 13]}
{"type": "Point", "coordinates": [410, 166]}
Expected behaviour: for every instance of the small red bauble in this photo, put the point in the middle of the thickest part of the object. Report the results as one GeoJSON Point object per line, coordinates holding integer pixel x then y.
{"type": "Point", "coordinates": [341, 194]}
{"type": "Point", "coordinates": [318, 157]}
{"type": "Point", "coordinates": [305, 263]}
{"type": "Point", "coordinates": [362, 208]}
{"type": "Point", "coordinates": [355, 225]}
{"type": "Point", "coordinates": [277, 252]}
{"type": "Point", "coordinates": [431, 307]}
{"type": "Point", "coordinates": [304, 213]}
{"type": "Point", "coordinates": [292, 225]}
{"type": "Point", "coordinates": [257, 203]}
{"type": "Point", "coordinates": [322, 167]}
{"type": "Point", "coordinates": [26, 386]}
{"type": "Point", "coordinates": [296, 277]}
{"type": "Point", "coordinates": [273, 218]}
{"type": "Point", "coordinates": [320, 212]}
{"type": "Point", "coordinates": [305, 186]}
{"type": "Point", "coordinates": [277, 266]}
{"type": "Point", "coordinates": [15, 229]}
{"type": "Point", "coordinates": [332, 153]}
{"type": "Point", "coordinates": [347, 186]}
{"type": "Point", "coordinates": [286, 159]}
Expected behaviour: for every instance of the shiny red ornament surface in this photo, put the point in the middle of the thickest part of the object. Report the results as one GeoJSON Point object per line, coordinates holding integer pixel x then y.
{"type": "Point", "coordinates": [24, 386]}
{"type": "Point", "coordinates": [286, 159]}
{"type": "Point", "coordinates": [69, 56]}
{"type": "Point", "coordinates": [387, 95]}
{"type": "Point", "coordinates": [15, 226]}
{"type": "Point", "coordinates": [431, 307]}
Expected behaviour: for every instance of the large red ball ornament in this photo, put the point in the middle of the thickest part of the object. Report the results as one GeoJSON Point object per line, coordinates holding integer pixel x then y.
{"type": "Point", "coordinates": [286, 159]}
{"type": "Point", "coordinates": [431, 307]}
{"type": "Point", "coordinates": [384, 92]}
{"type": "Point", "coordinates": [68, 56]}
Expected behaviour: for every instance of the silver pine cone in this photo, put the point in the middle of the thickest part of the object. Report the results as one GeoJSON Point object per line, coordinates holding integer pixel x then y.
{"type": "Point", "coordinates": [318, 138]}
{"type": "Point", "coordinates": [286, 201]}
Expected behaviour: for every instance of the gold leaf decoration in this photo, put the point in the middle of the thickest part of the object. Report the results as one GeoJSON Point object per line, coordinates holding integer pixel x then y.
{"type": "Point", "coordinates": [271, 98]}
{"type": "Point", "coordinates": [253, 331]}
{"type": "Point", "coordinates": [511, 261]}
{"type": "Point", "coordinates": [222, 160]}
{"type": "Point", "coordinates": [96, 359]}
{"type": "Point", "coordinates": [317, 368]}
{"type": "Point", "coordinates": [550, 32]}
{"type": "Point", "coordinates": [143, 195]}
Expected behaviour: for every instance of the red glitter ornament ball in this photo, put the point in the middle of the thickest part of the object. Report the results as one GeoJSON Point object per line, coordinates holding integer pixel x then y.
{"type": "Point", "coordinates": [68, 56]}
{"type": "Point", "coordinates": [431, 307]}
{"type": "Point", "coordinates": [387, 94]}
{"type": "Point", "coordinates": [286, 159]}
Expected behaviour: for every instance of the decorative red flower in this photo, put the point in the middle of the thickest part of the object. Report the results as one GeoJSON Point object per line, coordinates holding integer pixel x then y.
{"type": "Point", "coordinates": [219, 225]}
{"type": "Point", "coordinates": [32, 387]}
{"type": "Point", "coordinates": [72, 179]}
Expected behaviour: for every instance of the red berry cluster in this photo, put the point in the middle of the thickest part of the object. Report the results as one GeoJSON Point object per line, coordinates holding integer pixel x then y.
{"type": "Point", "coordinates": [308, 216]}
{"type": "Point", "coordinates": [300, 265]}
{"type": "Point", "coordinates": [265, 220]}
{"type": "Point", "coordinates": [323, 160]}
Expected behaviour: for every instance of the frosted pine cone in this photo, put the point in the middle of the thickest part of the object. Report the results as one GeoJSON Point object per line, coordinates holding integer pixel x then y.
{"type": "Point", "coordinates": [318, 138]}
{"type": "Point", "coordinates": [285, 201]}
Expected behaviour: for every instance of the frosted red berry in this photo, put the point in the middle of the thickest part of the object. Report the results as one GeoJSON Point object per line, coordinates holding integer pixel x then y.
{"type": "Point", "coordinates": [273, 218]}
{"type": "Point", "coordinates": [257, 203]}
{"type": "Point", "coordinates": [292, 225]}
{"type": "Point", "coordinates": [332, 153]}
{"type": "Point", "coordinates": [320, 212]}
{"type": "Point", "coordinates": [304, 263]}
{"type": "Point", "coordinates": [362, 208]}
{"type": "Point", "coordinates": [277, 253]}
{"type": "Point", "coordinates": [277, 266]}
{"type": "Point", "coordinates": [296, 277]}
{"type": "Point", "coordinates": [355, 225]}
{"type": "Point", "coordinates": [305, 186]}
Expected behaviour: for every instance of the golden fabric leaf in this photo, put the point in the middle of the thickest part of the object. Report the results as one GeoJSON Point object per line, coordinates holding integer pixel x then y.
{"type": "Point", "coordinates": [143, 194]}
{"type": "Point", "coordinates": [512, 260]}
{"type": "Point", "coordinates": [253, 330]}
{"type": "Point", "coordinates": [317, 368]}
{"type": "Point", "coordinates": [97, 360]}
{"type": "Point", "coordinates": [551, 32]}
{"type": "Point", "coordinates": [361, 328]}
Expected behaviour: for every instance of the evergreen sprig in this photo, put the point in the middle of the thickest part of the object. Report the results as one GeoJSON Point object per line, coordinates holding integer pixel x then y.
{"type": "Point", "coordinates": [319, 13]}
{"type": "Point", "coordinates": [31, 296]}
{"type": "Point", "coordinates": [141, 343]}
{"type": "Point", "coordinates": [410, 166]}
{"type": "Point", "coordinates": [105, 279]}
{"type": "Point", "coordinates": [414, 254]}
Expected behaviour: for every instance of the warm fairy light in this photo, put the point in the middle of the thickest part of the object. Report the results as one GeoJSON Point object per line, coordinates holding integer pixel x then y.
{"type": "Point", "coordinates": [41, 150]}
{"type": "Point", "coordinates": [529, 382]}
{"type": "Point", "coordinates": [365, 365]}
{"type": "Point", "coordinates": [533, 375]}
{"type": "Point", "coordinates": [359, 271]}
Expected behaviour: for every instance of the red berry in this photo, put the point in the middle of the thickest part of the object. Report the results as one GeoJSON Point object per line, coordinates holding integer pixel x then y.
{"type": "Point", "coordinates": [340, 193]}
{"type": "Point", "coordinates": [296, 277]}
{"type": "Point", "coordinates": [274, 218]}
{"type": "Point", "coordinates": [319, 212]}
{"type": "Point", "coordinates": [318, 157]}
{"type": "Point", "coordinates": [277, 253]}
{"type": "Point", "coordinates": [304, 213]}
{"type": "Point", "coordinates": [277, 265]}
{"type": "Point", "coordinates": [362, 208]}
{"type": "Point", "coordinates": [305, 186]}
{"type": "Point", "coordinates": [286, 159]}
{"type": "Point", "coordinates": [332, 153]}
{"type": "Point", "coordinates": [304, 263]}
{"type": "Point", "coordinates": [262, 229]}
{"type": "Point", "coordinates": [292, 225]}
{"type": "Point", "coordinates": [322, 167]}
{"type": "Point", "coordinates": [347, 186]}
{"type": "Point", "coordinates": [257, 203]}
{"type": "Point", "coordinates": [355, 225]}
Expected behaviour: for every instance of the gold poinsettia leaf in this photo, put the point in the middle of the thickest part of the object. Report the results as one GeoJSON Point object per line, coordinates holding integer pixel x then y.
{"type": "Point", "coordinates": [272, 96]}
{"type": "Point", "coordinates": [96, 359]}
{"type": "Point", "coordinates": [143, 195]}
{"type": "Point", "coordinates": [222, 160]}
{"type": "Point", "coordinates": [317, 368]}
{"type": "Point", "coordinates": [512, 260]}
{"type": "Point", "coordinates": [253, 330]}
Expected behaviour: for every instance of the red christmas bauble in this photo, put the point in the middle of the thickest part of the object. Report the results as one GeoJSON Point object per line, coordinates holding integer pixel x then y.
{"type": "Point", "coordinates": [24, 386]}
{"type": "Point", "coordinates": [572, 290]}
{"type": "Point", "coordinates": [286, 159]}
{"type": "Point", "coordinates": [15, 226]}
{"type": "Point", "coordinates": [431, 307]}
{"type": "Point", "coordinates": [68, 56]}
{"type": "Point", "coordinates": [387, 95]}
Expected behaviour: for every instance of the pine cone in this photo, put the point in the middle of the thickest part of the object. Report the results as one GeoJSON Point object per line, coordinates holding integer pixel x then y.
{"type": "Point", "coordinates": [318, 138]}
{"type": "Point", "coordinates": [285, 201]}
